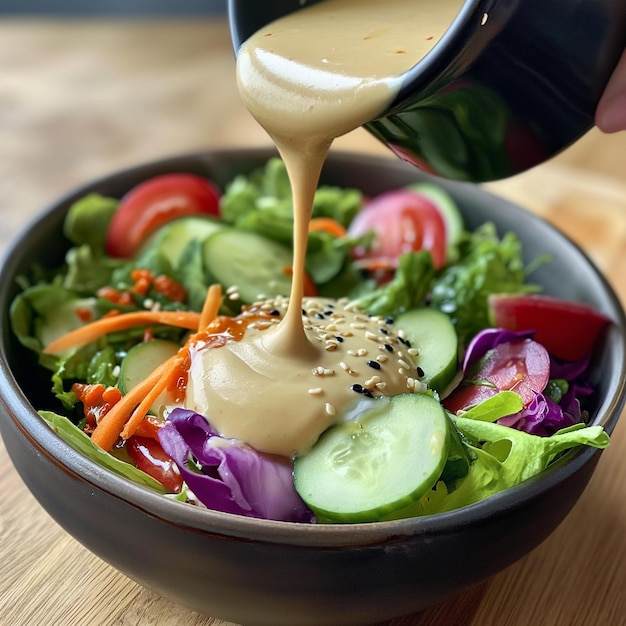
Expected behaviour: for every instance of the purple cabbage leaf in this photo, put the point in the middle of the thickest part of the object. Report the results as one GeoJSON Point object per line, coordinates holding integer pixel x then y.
{"type": "Point", "coordinates": [229, 477]}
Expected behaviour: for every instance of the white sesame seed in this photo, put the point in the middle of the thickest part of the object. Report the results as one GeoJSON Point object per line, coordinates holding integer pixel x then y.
{"type": "Point", "coordinates": [381, 358]}
{"type": "Point", "coordinates": [233, 296]}
{"type": "Point", "coordinates": [361, 352]}
{"type": "Point", "coordinates": [331, 346]}
{"type": "Point", "coordinates": [400, 354]}
{"type": "Point", "coordinates": [401, 333]}
{"type": "Point", "coordinates": [370, 383]}
{"type": "Point", "coordinates": [347, 333]}
{"type": "Point", "coordinates": [344, 366]}
{"type": "Point", "coordinates": [116, 371]}
{"type": "Point", "coordinates": [328, 372]}
{"type": "Point", "coordinates": [357, 326]}
{"type": "Point", "coordinates": [330, 409]}
{"type": "Point", "coordinates": [371, 336]}
{"type": "Point", "coordinates": [413, 351]}
{"type": "Point", "coordinates": [381, 385]}
{"type": "Point", "coordinates": [232, 289]}
{"type": "Point", "coordinates": [402, 371]}
{"type": "Point", "coordinates": [351, 352]}
{"type": "Point", "coordinates": [404, 364]}
{"type": "Point", "coordinates": [410, 383]}
{"type": "Point", "coordinates": [331, 327]}
{"type": "Point", "coordinates": [315, 391]}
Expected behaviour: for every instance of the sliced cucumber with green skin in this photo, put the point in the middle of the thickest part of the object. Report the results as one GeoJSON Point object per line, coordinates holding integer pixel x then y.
{"type": "Point", "coordinates": [253, 263]}
{"type": "Point", "coordinates": [433, 334]}
{"type": "Point", "coordinates": [363, 470]}
{"type": "Point", "coordinates": [141, 360]}
{"type": "Point", "coordinates": [173, 237]}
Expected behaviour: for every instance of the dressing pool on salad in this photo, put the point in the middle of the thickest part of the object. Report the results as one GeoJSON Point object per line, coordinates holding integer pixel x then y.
{"type": "Point", "coordinates": [308, 78]}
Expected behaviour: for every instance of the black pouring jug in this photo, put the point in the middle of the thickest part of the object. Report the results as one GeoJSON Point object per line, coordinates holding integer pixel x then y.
{"type": "Point", "coordinates": [510, 84]}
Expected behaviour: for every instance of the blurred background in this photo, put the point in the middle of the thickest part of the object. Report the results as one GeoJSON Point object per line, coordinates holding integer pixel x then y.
{"type": "Point", "coordinates": [113, 7]}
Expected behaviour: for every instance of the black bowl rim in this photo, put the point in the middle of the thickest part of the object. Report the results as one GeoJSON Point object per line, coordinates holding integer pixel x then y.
{"type": "Point", "coordinates": [48, 443]}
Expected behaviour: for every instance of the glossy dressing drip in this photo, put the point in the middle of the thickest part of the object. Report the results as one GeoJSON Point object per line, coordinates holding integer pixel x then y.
{"type": "Point", "coordinates": [308, 78]}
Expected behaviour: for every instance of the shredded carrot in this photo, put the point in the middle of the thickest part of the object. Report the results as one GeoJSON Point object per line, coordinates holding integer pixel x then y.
{"type": "Point", "coordinates": [327, 224]}
{"type": "Point", "coordinates": [211, 306]}
{"type": "Point", "coordinates": [111, 425]}
{"type": "Point", "coordinates": [98, 328]}
{"type": "Point", "coordinates": [140, 412]}
{"type": "Point", "coordinates": [128, 415]}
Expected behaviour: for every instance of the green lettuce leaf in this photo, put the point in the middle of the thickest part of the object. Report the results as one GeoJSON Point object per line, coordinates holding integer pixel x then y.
{"type": "Point", "coordinates": [487, 264]}
{"type": "Point", "coordinates": [407, 290]}
{"type": "Point", "coordinates": [88, 220]}
{"type": "Point", "coordinates": [76, 438]}
{"type": "Point", "coordinates": [506, 457]}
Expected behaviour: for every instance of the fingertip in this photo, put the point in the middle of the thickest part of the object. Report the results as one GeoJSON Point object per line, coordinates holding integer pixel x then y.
{"type": "Point", "coordinates": [611, 114]}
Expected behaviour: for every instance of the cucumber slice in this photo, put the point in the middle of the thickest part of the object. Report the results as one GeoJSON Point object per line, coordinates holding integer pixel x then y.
{"type": "Point", "coordinates": [249, 261]}
{"type": "Point", "coordinates": [141, 360]}
{"type": "Point", "coordinates": [172, 238]}
{"type": "Point", "coordinates": [61, 319]}
{"type": "Point", "coordinates": [362, 470]}
{"type": "Point", "coordinates": [433, 334]}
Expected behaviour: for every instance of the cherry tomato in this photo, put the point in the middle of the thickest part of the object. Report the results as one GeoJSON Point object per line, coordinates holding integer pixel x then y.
{"type": "Point", "coordinates": [150, 458]}
{"type": "Point", "coordinates": [567, 329]}
{"type": "Point", "coordinates": [403, 221]}
{"type": "Point", "coordinates": [522, 366]}
{"type": "Point", "coordinates": [155, 202]}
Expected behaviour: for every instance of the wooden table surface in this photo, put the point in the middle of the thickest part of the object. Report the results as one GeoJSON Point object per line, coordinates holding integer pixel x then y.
{"type": "Point", "coordinates": [80, 100]}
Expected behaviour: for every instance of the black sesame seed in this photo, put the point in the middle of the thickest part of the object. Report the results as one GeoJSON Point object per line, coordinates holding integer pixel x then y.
{"type": "Point", "coordinates": [384, 331]}
{"type": "Point", "coordinates": [339, 338]}
{"type": "Point", "coordinates": [304, 313]}
{"type": "Point", "coordinates": [420, 372]}
{"type": "Point", "coordinates": [388, 347]}
{"type": "Point", "coordinates": [328, 313]}
{"type": "Point", "coordinates": [374, 364]}
{"type": "Point", "coordinates": [319, 316]}
{"type": "Point", "coordinates": [367, 393]}
{"type": "Point", "coordinates": [389, 320]}
{"type": "Point", "coordinates": [403, 341]}
{"type": "Point", "coordinates": [356, 387]}
{"type": "Point", "coordinates": [274, 312]}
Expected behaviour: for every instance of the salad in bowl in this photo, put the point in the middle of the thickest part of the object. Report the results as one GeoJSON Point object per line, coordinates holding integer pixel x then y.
{"type": "Point", "coordinates": [440, 373]}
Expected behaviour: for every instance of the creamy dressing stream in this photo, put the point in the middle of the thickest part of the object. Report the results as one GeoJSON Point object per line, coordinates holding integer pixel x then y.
{"type": "Point", "coordinates": [308, 78]}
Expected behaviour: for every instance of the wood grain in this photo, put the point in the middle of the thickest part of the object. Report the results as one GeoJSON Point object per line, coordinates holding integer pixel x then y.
{"type": "Point", "coordinates": [79, 100]}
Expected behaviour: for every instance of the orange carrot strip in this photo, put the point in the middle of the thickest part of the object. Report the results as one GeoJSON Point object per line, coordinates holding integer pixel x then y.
{"type": "Point", "coordinates": [94, 330]}
{"type": "Point", "coordinates": [327, 224]}
{"type": "Point", "coordinates": [111, 425]}
{"type": "Point", "coordinates": [139, 413]}
{"type": "Point", "coordinates": [211, 306]}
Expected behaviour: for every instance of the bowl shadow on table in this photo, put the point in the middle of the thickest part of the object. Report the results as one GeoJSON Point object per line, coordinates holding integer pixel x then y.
{"type": "Point", "coordinates": [261, 572]}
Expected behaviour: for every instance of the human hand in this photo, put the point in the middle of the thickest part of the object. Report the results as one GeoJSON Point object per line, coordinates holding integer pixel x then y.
{"type": "Point", "coordinates": [611, 110]}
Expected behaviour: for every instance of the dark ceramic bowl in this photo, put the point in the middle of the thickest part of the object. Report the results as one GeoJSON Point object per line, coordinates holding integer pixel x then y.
{"type": "Point", "coordinates": [263, 572]}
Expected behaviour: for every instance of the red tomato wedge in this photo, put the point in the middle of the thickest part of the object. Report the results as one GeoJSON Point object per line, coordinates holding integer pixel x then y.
{"type": "Point", "coordinates": [403, 221]}
{"type": "Point", "coordinates": [150, 458]}
{"type": "Point", "coordinates": [155, 202]}
{"type": "Point", "coordinates": [522, 366]}
{"type": "Point", "coordinates": [567, 329]}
